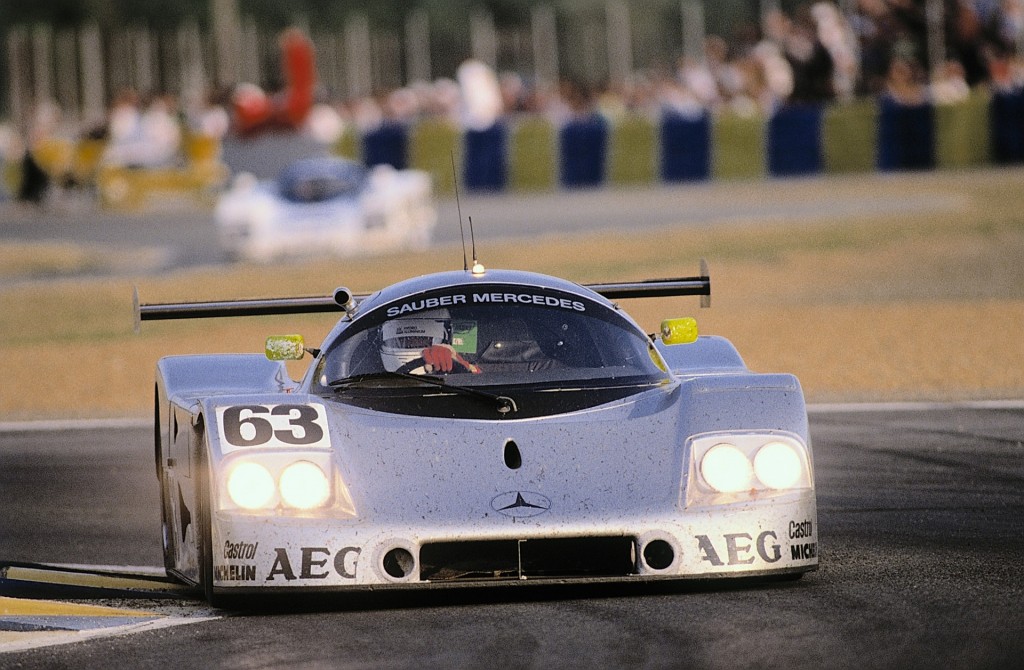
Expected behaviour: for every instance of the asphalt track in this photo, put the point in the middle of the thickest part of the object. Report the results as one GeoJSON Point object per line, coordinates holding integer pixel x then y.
{"type": "Point", "coordinates": [921, 533]}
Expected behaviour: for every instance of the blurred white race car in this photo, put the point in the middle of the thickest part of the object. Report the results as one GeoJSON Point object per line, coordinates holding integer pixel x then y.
{"type": "Point", "coordinates": [326, 205]}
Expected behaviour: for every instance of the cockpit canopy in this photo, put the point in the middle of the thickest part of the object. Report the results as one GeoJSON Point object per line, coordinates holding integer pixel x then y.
{"type": "Point", "coordinates": [319, 179]}
{"type": "Point", "coordinates": [499, 337]}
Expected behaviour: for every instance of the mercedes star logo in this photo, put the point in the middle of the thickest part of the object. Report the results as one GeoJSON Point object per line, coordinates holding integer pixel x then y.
{"type": "Point", "coordinates": [520, 504]}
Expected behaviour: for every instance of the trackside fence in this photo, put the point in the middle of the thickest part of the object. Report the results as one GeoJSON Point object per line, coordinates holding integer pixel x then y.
{"type": "Point", "coordinates": [526, 153]}
{"type": "Point", "coordinates": [530, 153]}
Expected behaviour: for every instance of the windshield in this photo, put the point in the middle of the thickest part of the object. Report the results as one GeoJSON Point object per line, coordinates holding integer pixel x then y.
{"type": "Point", "coordinates": [319, 179]}
{"type": "Point", "coordinates": [489, 338]}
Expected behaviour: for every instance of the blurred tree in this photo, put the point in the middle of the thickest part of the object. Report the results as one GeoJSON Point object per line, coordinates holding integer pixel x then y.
{"type": "Point", "coordinates": [386, 13]}
{"type": "Point", "coordinates": [107, 13]}
{"type": "Point", "coordinates": [54, 12]}
{"type": "Point", "coordinates": [722, 15]}
{"type": "Point", "coordinates": [159, 14]}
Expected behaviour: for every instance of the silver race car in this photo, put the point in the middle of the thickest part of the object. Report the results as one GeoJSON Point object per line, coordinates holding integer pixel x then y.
{"type": "Point", "coordinates": [326, 205]}
{"type": "Point", "coordinates": [479, 427]}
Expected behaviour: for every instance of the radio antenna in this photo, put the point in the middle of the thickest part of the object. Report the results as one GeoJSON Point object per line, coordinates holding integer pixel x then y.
{"type": "Point", "coordinates": [472, 239]}
{"type": "Point", "coordinates": [477, 268]}
{"type": "Point", "coordinates": [458, 206]}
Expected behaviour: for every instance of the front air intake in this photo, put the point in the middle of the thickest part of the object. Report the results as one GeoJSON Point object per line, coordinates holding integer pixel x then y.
{"type": "Point", "coordinates": [498, 560]}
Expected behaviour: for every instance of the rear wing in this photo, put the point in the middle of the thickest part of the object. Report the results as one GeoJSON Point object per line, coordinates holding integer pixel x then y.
{"type": "Point", "coordinates": [343, 300]}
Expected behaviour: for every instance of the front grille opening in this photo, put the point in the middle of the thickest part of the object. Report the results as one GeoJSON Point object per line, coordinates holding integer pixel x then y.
{"type": "Point", "coordinates": [528, 559]}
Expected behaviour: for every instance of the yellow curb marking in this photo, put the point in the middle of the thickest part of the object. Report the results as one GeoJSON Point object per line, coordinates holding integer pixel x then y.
{"type": "Point", "coordinates": [22, 607]}
{"type": "Point", "coordinates": [53, 576]}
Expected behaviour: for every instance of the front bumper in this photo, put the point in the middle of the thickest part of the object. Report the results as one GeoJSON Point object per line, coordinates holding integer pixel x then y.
{"type": "Point", "coordinates": [261, 554]}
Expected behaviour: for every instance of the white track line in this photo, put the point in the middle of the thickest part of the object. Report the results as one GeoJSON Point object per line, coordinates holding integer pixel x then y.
{"type": "Point", "coordinates": [35, 640]}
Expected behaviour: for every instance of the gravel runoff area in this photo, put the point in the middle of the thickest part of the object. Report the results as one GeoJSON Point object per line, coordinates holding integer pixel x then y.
{"type": "Point", "coordinates": [918, 304]}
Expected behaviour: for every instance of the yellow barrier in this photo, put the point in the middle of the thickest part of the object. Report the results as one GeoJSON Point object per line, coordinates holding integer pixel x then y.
{"type": "Point", "coordinates": [738, 147]}
{"type": "Point", "coordinates": [849, 137]}
{"type": "Point", "coordinates": [533, 159]}
{"type": "Point", "coordinates": [54, 155]}
{"type": "Point", "coordinates": [347, 145]}
{"type": "Point", "coordinates": [86, 161]}
{"type": "Point", "coordinates": [632, 151]}
{"type": "Point", "coordinates": [201, 149]}
{"type": "Point", "coordinates": [200, 177]}
{"type": "Point", "coordinates": [962, 133]}
{"type": "Point", "coordinates": [432, 143]}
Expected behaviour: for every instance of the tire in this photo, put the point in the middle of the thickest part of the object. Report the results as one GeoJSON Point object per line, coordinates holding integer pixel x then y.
{"type": "Point", "coordinates": [166, 531]}
{"type": "Point", "coordinates": [166, 525]}
{"type": "Point", "coordinates": [165, 522]}
{"type": "Point", "coordinates": [204, 533]}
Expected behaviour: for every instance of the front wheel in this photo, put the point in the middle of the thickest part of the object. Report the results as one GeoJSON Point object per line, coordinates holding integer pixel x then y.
{"type": "Point", "coordinates": [166, 529]}
{"type": "Point", "coordinates": [204, 533]}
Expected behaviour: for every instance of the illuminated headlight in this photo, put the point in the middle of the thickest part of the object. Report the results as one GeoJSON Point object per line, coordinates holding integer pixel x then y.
{"type": "Point", "coordinates": [282, 483]}
{"type": "Point", "coordinates": [778, 465]}
{"type": "Point", "coordinates": [251, 486]}
{"type": "Point", "coordinates": [304, 486]}
{"type": "Point", "coordinates": [726, 469]}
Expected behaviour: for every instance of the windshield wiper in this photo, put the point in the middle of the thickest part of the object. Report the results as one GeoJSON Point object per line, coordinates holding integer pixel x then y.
{"type": "Point", "coordinates": [369, 377]}
{"type": "Point", "coordinates": [505, 405]}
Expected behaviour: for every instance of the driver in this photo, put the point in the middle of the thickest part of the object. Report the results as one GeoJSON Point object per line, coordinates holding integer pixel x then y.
{"type": "Point", "coordinates": [421, 344]}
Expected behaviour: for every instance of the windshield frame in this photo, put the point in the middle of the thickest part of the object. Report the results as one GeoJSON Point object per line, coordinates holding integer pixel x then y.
{"type": "Point", "coordinates": [519, 301]}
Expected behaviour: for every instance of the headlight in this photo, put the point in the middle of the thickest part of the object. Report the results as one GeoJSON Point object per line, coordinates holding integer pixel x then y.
{"type": "Point", "coordinates": [778, 466]}
{"type": "Point", "coordinates": [304, 485]}
{"type": "Point", "coordinates": [282, 483]}
{"type": "Point", "coordinates": [726, 469]}
{"type": "Point", "coordinates": [251, 486]}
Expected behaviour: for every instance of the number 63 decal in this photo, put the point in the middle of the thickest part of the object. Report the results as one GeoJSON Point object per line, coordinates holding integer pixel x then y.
{"type": "Point", "coordinates": [281, 426]}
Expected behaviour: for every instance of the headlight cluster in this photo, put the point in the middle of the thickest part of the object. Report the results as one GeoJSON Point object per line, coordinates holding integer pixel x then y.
{"type": "Point", "coordinates": [298, 485]}
{"type": "Point", "coordinates": [736, 463]}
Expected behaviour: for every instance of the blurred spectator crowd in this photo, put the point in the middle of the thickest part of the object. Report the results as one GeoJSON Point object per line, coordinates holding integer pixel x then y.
{"type": "Point", "coordinates": [815, 55]}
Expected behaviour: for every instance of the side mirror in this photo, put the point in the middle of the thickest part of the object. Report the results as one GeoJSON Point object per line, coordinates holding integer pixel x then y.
{"type": "Point", "coordinates": [679, 331]}
{"type": "Point", "coordinates": [285, 347]}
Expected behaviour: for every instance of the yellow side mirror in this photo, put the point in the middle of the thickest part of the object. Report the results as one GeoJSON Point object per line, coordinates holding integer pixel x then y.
{"type": "Point", "coordinates": [679, 331]}
{"type": "Point", "coordinates": [285, 347]}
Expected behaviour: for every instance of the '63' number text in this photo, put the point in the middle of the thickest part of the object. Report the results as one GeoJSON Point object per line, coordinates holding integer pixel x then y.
{"type": "Point", "coordinates": [285, 426]}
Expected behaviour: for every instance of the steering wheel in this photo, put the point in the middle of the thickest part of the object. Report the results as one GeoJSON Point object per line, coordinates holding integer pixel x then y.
{"type": "Point", "coordinates": [420, 362]}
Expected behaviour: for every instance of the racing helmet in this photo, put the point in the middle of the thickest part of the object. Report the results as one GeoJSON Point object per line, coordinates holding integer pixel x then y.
{"type": "Point", "coordinates": [404, 339]}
